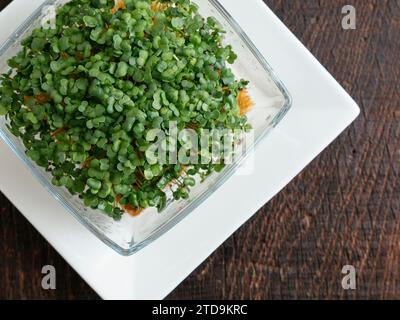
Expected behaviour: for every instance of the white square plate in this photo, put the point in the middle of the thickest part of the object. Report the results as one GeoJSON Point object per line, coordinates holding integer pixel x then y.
{"type": "Point", "coordinates": [321, 111]}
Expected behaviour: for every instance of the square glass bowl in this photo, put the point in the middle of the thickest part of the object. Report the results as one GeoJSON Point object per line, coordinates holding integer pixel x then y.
{"type": "Point", "coordinates": [271, 102]}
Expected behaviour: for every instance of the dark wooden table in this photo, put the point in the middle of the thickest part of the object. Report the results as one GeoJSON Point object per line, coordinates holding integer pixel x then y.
{"type": "Point", "coordinates": [343, 209]}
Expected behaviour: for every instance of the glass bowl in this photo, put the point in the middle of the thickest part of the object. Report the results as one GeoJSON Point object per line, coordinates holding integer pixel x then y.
{"type": "Point", "coordinates": [271, 102]}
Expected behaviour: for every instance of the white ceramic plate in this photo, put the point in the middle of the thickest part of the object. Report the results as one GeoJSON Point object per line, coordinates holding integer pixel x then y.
{"type": "Point", "coordinates": [321, 111]}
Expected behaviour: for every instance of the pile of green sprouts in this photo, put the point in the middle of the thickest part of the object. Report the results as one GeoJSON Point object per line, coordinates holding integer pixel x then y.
{"type": "Point", "coordinates": [82, 97]}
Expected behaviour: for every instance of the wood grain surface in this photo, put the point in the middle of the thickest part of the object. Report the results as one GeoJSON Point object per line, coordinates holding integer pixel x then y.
{"type": "Point", "coordinates": [342, 209]}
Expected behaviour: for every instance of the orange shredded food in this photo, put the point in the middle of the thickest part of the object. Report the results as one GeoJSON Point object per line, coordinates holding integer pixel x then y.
{"type": "Point", "coordinates": [86, 164]}
{"type": "Point", "coordinates": [40, 98]}
{"type": "Point", "coordinates": [64, 55]}
{"type": "Point", "coordinates": [79, 56]}
{"type": "Point", "coordinates": [56, 132]}
{"type": "Point", "coordinates": [158, 6]}
{"type": "Point", "coordinates": [43, 97]}
{"type": "Point", "coordinates": [192, 125]}
{"type": "Point", "coordinates": [134, 212]}
{"type": "Point", "coordinates": [119, 4]}
{"type": "Point", "coordinates": [244, 101]}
